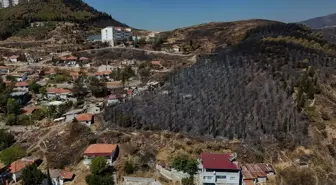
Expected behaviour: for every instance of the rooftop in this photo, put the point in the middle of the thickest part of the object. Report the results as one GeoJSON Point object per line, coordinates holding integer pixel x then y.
{"type": "Point", "coordinates": [18, 165]}
{"type": "Point", "coordinates": [217, 161]}
{"type": "Point", "coordinates": [21, 84]}
{"type": "Point", "coordinates": [59, 91]}
{"type": "Point", "coordinates": [100, 149]}
{"type": "Point", "coordinates": [84, 117]}
{"type": "Point", "coordinates": [253, 171]}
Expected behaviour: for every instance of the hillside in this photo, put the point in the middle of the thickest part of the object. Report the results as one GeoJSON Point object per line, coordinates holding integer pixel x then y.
{"type": "Point", "coordinates": [321, 22]}
{"type": "Point", "coordinates": [205, 37]}
{"type": "Point", "coordinates": [274, 91]}
{"type": "Point", "coordinates": [15, 18]}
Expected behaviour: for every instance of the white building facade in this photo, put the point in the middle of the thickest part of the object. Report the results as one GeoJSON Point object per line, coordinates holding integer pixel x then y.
{"type": "Point", "coordinates": [112, 34]}
{"type": "Point", "coordinates": [219, 169]}
{"type": "Point", "coordinates": [9, 3]}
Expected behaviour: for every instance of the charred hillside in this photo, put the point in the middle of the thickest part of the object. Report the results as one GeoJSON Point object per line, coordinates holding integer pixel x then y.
{"type": "Point", "coordinates": [257, 90]}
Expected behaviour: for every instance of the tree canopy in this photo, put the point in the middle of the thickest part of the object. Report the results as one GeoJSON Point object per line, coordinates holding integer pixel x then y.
{"type": "Point", "coordinates": [31, 175]}
{"type": "Point", "coordinates": [98, 165]}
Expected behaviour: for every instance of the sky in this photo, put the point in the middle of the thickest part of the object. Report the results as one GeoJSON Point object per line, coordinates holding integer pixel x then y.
{"type": "Point", "coordinates": [162, 15]}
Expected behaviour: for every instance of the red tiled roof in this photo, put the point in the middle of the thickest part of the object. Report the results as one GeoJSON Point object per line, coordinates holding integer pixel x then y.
{"type": "Point", "coordinates": [18, 165]}
{"type": "Point", "coordinates": [253, 171]}
{"type": "Point", "coordinates": [156, 63]}
{"type": "Point", "coordinates": [100, 149]}
{"type": "Point", "coordinates": [21, 84]}
{"type": "Point", "coordinates": [66, 174]}
{"type": "Point", "coordinates": [84, 117]}
{"type": "Point", "coordinates": [248, 182]}
{"type": "Point", "coordinates": [3, 67]}
{"type": "Point", "coordinates": [217, 161]}
{"type": "Point", "coordinates": [68, 58]}
{"type": "Point", "coordinates": [59, 91]}
{"type": "Point", "coordinates": [108, 72]}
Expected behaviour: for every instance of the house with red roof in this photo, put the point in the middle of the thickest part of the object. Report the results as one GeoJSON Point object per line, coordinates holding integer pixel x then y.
{"type": "Point", "coordinates": [86, 119]}
{"type": "Point", "coordinates": [61, 93]}
{"type": "Point", "coordinates": [21, 86]}
{"type": "Point", "coordinates": [109, 151]}
{"type": "Point", "coordinates": [17, 166]}
{"type": "Point", "coordinates": [59, 177]}
{"type": "Point", "coordinates": [13, 58]}
{"type": "Point", "coordinates": [220, 169]}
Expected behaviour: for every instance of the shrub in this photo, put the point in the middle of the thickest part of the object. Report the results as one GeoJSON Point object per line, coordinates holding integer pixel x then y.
{"type": "Point", "coordinates": [11, 154]}
{"type": "Point", "coordinates": [99, 179]}
{"type": "Point", "coordinates": [98, 165]}
{"type": "Point", "coordinates": [188, 181]}
{"type": "Point", "coordinates": [185, 164]}
{"type": "Point", "coordinates": [129, 167]}
{"type": "Point", "coordinates": [6, 139]}
{"type": "Point", "coordinates": [32, 175]}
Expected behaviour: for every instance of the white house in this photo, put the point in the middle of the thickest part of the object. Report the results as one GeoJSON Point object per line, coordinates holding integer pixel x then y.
{"type": "Point", "coordinates": [13, 58]}
{"type": "Point", "coordinates": [21, 86]}
{"type": "Point", "coordinates": [20, 77]}
{"type": "Point", "coordinates": [112, 34]}
{"type": "Point", "coordinates": [219, 169]}
{"type": "Point", "coordinates": [61, 93]}
{"type": "Point", "coordinates": [109, 151]}
{"type": "Point", "coordinates": [58, 177]}
{"type": "Point", "coordinates": [86, 119]}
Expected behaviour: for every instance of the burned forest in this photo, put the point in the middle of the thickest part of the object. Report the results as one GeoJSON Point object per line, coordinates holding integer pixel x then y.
{"type": "Point", "coordinates": [256, 90]}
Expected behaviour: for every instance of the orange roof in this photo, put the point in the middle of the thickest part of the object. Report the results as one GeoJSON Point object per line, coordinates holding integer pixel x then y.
{"type": "Point", "coordinates": [108, 72]}
{"type": "Point", "coordinates": [59, 91]}
{"type": "Point", "coordinates": [69, 58]}
{"type": "Point", "coordinates": [18, 165]}
{"type": "Point", "coordinates": [84, 117]}
{"type": "Point", "coordinates": [248, 182]}
{"type": "Point", "coordinates": [156, 63]}
{"type": "Point", "coordinates": [66, 174]}
{"type": "Point", "coordinates": [100, 149]}
{"type": "Point", "coordinates": [3, 67]}
{"type": "Point", "coordinates": [21, 84]}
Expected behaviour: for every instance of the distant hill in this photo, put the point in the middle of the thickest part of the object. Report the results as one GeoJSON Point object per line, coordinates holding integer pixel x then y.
{"type": "Point", "coordinates": [321, 22]}
{"type": "Point", "coordinates": [15, 18]}
{"type": "Point", "coordinates": [205, 37]}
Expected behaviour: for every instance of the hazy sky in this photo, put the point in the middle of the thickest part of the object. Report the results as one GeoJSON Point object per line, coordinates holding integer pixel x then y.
{"type": "Point", "coordinates": [160, 15]}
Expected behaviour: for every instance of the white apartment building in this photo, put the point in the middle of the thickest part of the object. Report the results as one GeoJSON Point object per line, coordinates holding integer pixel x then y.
{"type": "Point", "coordinates": [112, 34]}
{"type": "Point", "coordinates": [219, 169]}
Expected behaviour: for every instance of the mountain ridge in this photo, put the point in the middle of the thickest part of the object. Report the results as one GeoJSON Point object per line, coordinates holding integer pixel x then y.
{"type": "Point", "coordinates": [321, 22]}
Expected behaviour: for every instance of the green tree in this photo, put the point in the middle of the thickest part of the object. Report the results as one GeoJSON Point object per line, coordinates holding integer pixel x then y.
{"type": "Point", "coordinates": [78, 89]}
{"type": "Point", "coordinates": [6, 139]}
{"type": "Point", "coordinates": [11, 154]}
{"type": "Point", "coordinates": [34, 87]}
{"type": "Point", "coordinates": [191, 167]}
{"type": "Point", "coordinates": [94, 179]}
{"type": "Point", "coordinates": [13, 107]}
{"type": "Point", "coordinates": [188, 181]}
{"type": "Point", "coordinates": [43, 90]}
{"type": "Point", "coordinates": [185, 164]}
{"type": "Point", "coordinates": [97, 88]}
{"type": "Point", "coordinates": [129, 167]}
{"type": "Point", "coordinates": [98, 165]}
{"type": "Point", "coordinates": [31, 175]}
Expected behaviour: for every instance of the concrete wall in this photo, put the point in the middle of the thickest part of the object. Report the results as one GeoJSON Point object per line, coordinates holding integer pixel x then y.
{"type": "Point", "coordinates": [172, 175]}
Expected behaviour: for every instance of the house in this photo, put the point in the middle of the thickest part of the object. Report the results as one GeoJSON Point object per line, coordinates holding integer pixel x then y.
{"type": "Point", "coordinates": [13, 58]}
{"type": "Point", "coordinates": [114, 85]}
{"type": "Point", "coordinates": [256, 173]}
{"type": "Point", "coordinates": [112, 34]}
{"type": "Point", "coordinates": [58, 177]}
{"type": "Point", "coordinates": [71, 115]}
{"type": "Point", "coordinates": [109, 151]}
{"type": "Point", "coordinates": [19, 77]}
{"type": "Point", "coordinates": [128, 62]}
{"type": "Point", "coordinates": [21, 86]}
{"type": "Point", "coordinates": [157, 65]}
{"type": "Point", "coordinates": [103, 75]}
{"type": "Point", "coordinates": [176, 48]}
{"type": "Point", "coordinates": [112, 100]}
{"type": "Point", "coordinates": [139, 181]}
{"type": "Point", "coordinates": [219, 169]}
{"type": "Point", "coordinates": [68, 60]}
{"type": "Point", "coordinates": [61, 93]}
{"type": "Point", "coordinates": [4, 70]}
{"type": "Point", "coordinates": [17, 166]}
{"type": "Point", "coordinates": [107, 68]}
{"type": "Point", "coordinates": [21, 97]}
{"type": "Point", "coordinates": [86, 119]}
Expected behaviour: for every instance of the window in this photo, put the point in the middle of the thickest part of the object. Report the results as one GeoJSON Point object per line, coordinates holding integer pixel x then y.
{"type": "Point", "coordinates": [221, 177]}
{"type": "Point", "coordinates": [232, 178]}
{"type": "Point", "coordinates": [207, 177]}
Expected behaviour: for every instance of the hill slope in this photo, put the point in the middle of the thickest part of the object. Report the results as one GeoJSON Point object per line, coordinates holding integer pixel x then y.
{"type": "Point", "coordinates": [15, 18]}
{"type": "Point", "coordinates": [205, 37]}
{"type": "Point", "coordinates": [321, 22]}
{"type": "Point", "coordinates": [274, 89]}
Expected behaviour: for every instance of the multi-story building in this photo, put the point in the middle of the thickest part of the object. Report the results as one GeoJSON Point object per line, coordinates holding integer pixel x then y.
{"type": "Point", "coordinates": [112, 34]}
{"type": "Point", "coordinates": [219, 169]}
